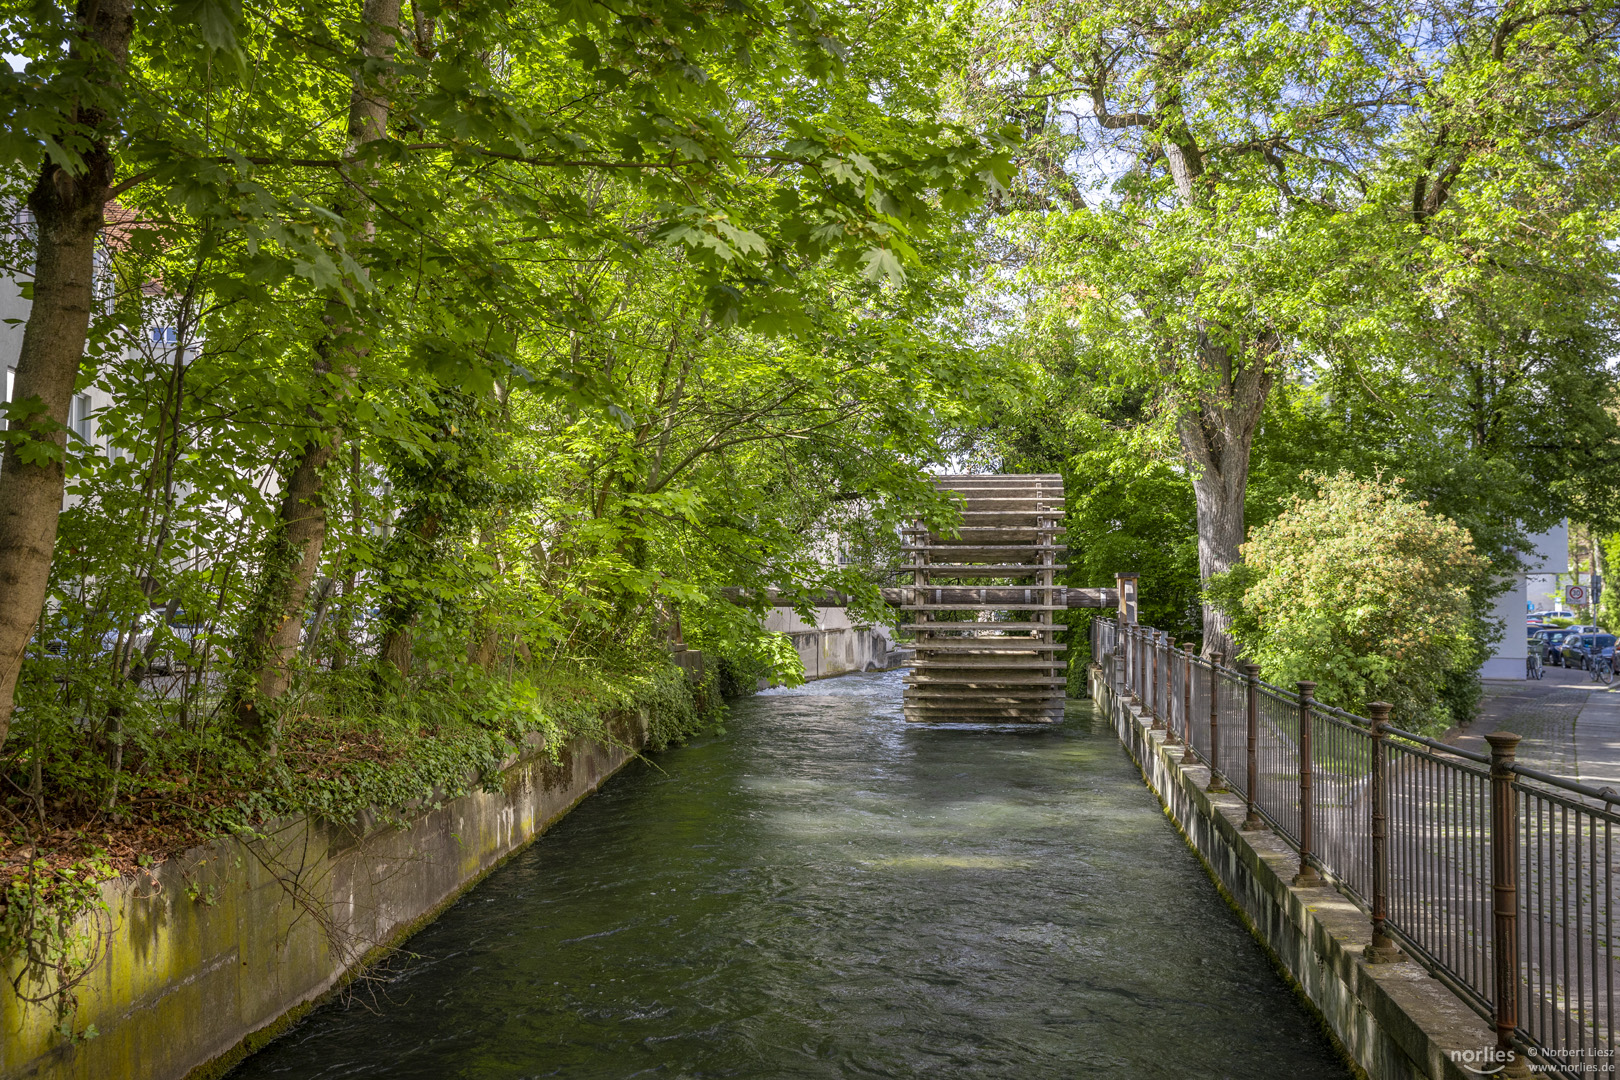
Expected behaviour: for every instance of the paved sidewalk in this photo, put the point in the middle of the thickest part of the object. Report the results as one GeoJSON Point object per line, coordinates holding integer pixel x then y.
{"type": "Point", "coordinates": [1569, 724]}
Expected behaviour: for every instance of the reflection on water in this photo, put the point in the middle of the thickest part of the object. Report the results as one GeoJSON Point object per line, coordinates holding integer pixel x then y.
{"type": "Point", "coordinates": [825, 891]}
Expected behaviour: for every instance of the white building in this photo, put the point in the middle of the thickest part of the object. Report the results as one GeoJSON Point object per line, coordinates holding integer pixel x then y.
{"type": "Point", "coordinates": [1548, 554]}
{"type": "Point", "coordinates": [1544, 592]}
{"type": "Point", "coordinates": [154, 341]}
{"type": "Point", "coordinates": [14, 309]}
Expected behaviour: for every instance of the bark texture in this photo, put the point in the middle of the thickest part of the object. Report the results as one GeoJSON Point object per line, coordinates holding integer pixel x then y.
{"type": "Point", "coordinates": [413, 545]}
{"type": "Point", "coordinates": [68, 206]}
{"type": "Point", "coordinates": [274, 624]}
{"type": "Point", "coordinates": [1217, 430]}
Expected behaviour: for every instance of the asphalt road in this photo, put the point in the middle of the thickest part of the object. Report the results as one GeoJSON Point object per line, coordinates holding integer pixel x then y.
{"type": "Point", "coordinates": [1570, 725]}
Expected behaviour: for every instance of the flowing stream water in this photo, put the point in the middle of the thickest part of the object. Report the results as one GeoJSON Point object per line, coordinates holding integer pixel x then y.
{"type": "Point", "coordinates": [827, 891]}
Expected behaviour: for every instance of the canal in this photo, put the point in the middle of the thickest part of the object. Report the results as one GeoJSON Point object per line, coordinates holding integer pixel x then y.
{"type": "Point", "coordinates": [826, 891]}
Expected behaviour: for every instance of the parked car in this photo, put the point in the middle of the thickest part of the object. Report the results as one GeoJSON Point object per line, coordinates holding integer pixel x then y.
{"type": "Point", "coordinates": [1580, 651]}
{"type": "Point", "coordinates": [178, 641]}
{"type": "Point", "coordinates": [1559, 614]}
{"type": "Point", "coordinates": [1555, 640]}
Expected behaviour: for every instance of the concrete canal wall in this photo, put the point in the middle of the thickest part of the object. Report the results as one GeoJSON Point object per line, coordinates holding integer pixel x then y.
{"type": "Point", "coordinates": [1392, 1021]}
{"type": "Point", "coordinates": [212, 954]}
{"type": "Point", "coordinates": [833, 645]}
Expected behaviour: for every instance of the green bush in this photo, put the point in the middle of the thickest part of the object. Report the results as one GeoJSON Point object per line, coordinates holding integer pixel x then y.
{"type": "Point", "coordinates": [1365, 592]}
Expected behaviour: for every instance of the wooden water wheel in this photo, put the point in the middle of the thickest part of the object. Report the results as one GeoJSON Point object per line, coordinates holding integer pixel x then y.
{"type": "Point", "coordinates": [981, 605]}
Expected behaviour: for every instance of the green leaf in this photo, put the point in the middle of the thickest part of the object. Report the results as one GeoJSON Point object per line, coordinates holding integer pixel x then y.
{"type": "Point", "coordinates": [218, 21]}
{"type": "Point", "coordinates": [882, 265]}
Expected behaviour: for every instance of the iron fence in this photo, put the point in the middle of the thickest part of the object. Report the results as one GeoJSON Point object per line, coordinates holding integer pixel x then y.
{"type": "Point", "coordinates": [1497, 877]}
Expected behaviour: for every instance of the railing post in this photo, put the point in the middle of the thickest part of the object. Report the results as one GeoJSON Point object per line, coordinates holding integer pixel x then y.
{"type": "Point", "coordinates": [1505, 897]}
{"type": "Point", "coordinates": [1251, 676]}
{"type": "Point", "coordinates": [1125, 584]}
{"type": "Point", "coordinates": [1125, 661]}
{"type": "Point", "coordinates": [1216, 785]}
{"type": "Point", "coordinates": [1187, 755]}
{"type": "Point", "coordinates": [1171, 655]}
{"type": "Point", "coordinates": [1120, 677]}
{"type": "Point", "coordinates": [1155, 698]}
{"type": "Point", "coordinates": [1382, 950]}
{"type": "Point", "coordinates": [1134, 661]}
{"type": "Point", "coordinates": [1135, 664]}
{"type": "Point", "coordinates": [1307, 876]}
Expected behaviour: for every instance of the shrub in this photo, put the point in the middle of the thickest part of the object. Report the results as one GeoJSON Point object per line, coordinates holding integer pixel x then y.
{"type": "Point", "coordinates": [1365, 592]}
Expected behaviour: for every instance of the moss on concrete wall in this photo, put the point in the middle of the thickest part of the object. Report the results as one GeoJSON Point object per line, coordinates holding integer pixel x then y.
{"type": "Point", "coordinates": [208, 956]}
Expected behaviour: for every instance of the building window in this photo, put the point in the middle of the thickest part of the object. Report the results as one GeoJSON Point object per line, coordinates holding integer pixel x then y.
{"type": "Point", "coordinates": [164, 335]}
{"type": "Point", "coordinates": [79, 417]}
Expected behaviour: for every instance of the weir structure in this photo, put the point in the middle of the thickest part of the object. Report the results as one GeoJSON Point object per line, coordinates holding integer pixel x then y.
{"type": "Point", "coordinates": [981, 605]}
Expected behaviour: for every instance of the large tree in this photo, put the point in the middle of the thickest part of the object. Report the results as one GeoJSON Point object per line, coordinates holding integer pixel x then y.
{"type": "Point", "coordinates": [1226, 196]}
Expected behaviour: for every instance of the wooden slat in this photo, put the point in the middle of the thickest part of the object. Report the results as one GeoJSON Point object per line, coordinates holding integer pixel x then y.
{"type": "Point", "coordinates": [982, 569]}
{"type": "Point", "coordinates": [1010, 527]}
{"type": "Point", "coordinates": [977, 682]}
{"type": "Point", "coordinates": [984, 628]}
{"type": "Point", "coordinates": [967, 695]}
{"type": "Point", "coordinates": [991, 664]}
{"type": "Point", "coordinates": [980, 704]}
{"type": "Point", "coordinates": [983, 605]}
{"type": "Point", "coordinates": [989, 645]}
{"type": "Point", "coordinates": [967, 709]}
{"type": "Point", "coordinates": [967, 477]}
{"type": "Point", "coordinates": [968, 714]}
{"type": "Point", "coordinates": [1003, 548]}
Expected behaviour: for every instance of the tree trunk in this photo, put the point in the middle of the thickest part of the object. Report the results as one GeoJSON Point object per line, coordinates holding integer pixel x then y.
{"type": "Point", "coordinates": [1219, 497]}
{"type": "Point", "coordinates": [484, 638]}
{"type": "Point", "coordinates": [274, 624]}
{"type": "Point", "coordinates": [483, 642]}
{"type": "Point", "coordinates": [400, 609]}
{"type": "Point", "coordinates": [1217, 432]}
{"type": "Point", "coordinates": [68, 210]}
{"type": "Point", "coordinates": [343, 631]}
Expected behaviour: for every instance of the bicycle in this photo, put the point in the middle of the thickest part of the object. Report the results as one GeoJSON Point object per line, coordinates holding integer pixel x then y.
{"type": "Point", "coordinates": [1602, 669]}
{"type": "Point", "coordinates": [1533, 668]}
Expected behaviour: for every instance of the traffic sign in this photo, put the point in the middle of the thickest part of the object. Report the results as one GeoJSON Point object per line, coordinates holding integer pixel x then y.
{"type": "Point", "coordinates": [1575, 594]}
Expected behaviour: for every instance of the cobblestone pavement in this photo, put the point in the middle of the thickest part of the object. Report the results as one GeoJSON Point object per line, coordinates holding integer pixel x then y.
{"type": "Point", "coordinates": [1569, 724]}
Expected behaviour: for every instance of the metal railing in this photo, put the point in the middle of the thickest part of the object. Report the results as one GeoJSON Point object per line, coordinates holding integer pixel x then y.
{"type": "Point", "coordinates": [1495, 876]}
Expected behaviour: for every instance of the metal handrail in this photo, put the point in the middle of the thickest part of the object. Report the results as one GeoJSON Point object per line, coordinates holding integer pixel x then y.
{"type": "Point", "coordinates": [1495, 875]}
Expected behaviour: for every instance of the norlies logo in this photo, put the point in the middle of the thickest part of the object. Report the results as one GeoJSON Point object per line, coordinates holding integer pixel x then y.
{"type": "Point", "coordinates": [1486, 1062]}
{"type": "Point", "coordinates": [1597, 1061]}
